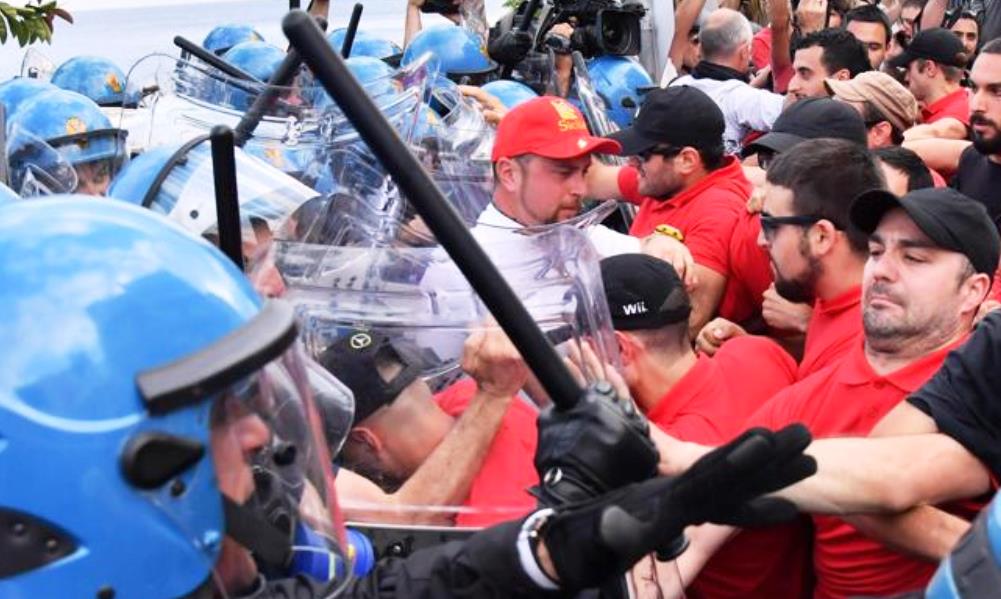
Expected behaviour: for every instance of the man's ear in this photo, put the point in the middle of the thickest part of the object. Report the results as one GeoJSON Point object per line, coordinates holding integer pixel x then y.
{"type": "Point", "coordinates": [366, 437]}
{"type": "Point", "coordinates": [842, 75]}
{"type": "Point", "coordinates": [823, 235]}
{"type": "Point", "coordinates": [508, 174]}
{"type": "Point", "coordinates": [880, 134]}
{"type": "Point", "coordinates": [627, 347]}
{"type": "Point", "coordinates": [687, 161]}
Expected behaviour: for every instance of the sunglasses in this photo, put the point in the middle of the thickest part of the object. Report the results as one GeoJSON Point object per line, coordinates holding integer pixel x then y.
{"type": "Point", "coordinates": [770, 224]}
{"type": "Point", "coordinates": [665, 151]}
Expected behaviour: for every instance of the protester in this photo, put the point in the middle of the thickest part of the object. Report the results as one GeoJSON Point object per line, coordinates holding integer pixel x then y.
{"type": "Point", "coordinates": [816, 254]}
{"type": "Point", "coordinates": [470, 446]}
{"type": "Point", "coordinates": [825, 54]}
{"type": "Point", "coordinates": [870, 25]}
{"type": "Point", "coordinates": [911, 321]}
{"type": "Point", "coordinates": [681, 178]}
{"type": "Point", "coordinates": [967, 29]}
{"type": "Point", "coordinates": [934, 61]}
{"type": "Point", "coordinates": [704, 400]}
{"type": "Point", "coordinates": [886, 106]}
{"type": "Point", "coordinates": [725, 39]}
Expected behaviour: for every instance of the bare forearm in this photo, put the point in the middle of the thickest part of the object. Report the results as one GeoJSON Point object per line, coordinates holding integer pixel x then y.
{"type": "Point", "coordinates": [925, 531]}
{"type": "Point", "coordinates": [706, 297]}
{"type": "Point", "coordinates": [411, 24]}
{"type": "Point", "coordinates": [684, 19]}
{"type": "Point", "coordinates": [676, 456]}
{"type": "Point", "coordinates": [447, 475]}
{"type": "Point", "coordinates": [781, 24]}
{"type": "Point", "coordinates": [887, 475]}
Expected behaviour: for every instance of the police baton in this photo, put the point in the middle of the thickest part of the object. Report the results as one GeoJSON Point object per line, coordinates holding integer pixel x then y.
{"type": "Point", "coordinates": [4, 174]}
{"type": "Point", "coordinates": [227, 198]}
{"type": "Point", "coordinates": [211, 59]}
{"type": "Point", "coordinates": [526, 21]}
{"type": "Point", "coordinates": [438, 214]}
{"type": "Point", "coordinates": [349, 33]}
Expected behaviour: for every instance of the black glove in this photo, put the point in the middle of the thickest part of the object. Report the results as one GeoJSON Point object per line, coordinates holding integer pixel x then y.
{"type": "Point", "coordinates": [599, 445]}
{"type": "Point", "coordinates": [511, 48]}
{"type": "Point", "coordinates": [596, 540]}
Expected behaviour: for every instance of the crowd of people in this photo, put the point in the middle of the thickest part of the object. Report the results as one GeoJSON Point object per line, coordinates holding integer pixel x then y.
{"type": "Point", "coordinates": [796, 232]}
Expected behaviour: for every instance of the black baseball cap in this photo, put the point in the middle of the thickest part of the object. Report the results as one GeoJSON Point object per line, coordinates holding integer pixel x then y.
{"type": "Point", "coordinates": [356, 359]}
{"type": "Point", "coordinates": [676, 116]}
{"type": "Point", "coordinates": [643, 292]}
{"type": "Point", "coordinates": [937, 44]}
{"type": "Point", "coordinates": [811, 118]}
{"type": "Point", "coordinates": [952, 220]}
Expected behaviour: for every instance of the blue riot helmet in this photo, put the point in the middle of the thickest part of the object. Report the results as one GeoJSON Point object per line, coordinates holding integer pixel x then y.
{"type": "Point", "coordinates": [365, 44]}
{"type": "Point", "coordinates": [14, 92]}
{"type": "Point", "coordinates": [974, 566]}
{"type": "Point", "coordinates": [259, 59]}
{"type": "Point", "coordinates": [97, 78]}
{"type": "Point", "coordinates": [177, 181]}
{"type": "Point", "coordinates": [74, 126]}
{"type": "Point", "coordinates": [456, 52]}
{"type": "Point", "coordinates": [224, 37]}
{"type": "Point", "coordinates": [510, 93]}
{"type": "Point", "coordinates": [619, 81]}
{"type": "Point", "coordinates": [157, 390]}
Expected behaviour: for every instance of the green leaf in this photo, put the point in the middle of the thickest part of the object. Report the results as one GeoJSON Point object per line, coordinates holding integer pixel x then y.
{"type": "Point", "coordinates": [3, 31]}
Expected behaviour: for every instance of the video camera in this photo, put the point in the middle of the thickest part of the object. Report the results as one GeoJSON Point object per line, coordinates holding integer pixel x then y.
{"type": "Point", "coordinates": [600, 26]}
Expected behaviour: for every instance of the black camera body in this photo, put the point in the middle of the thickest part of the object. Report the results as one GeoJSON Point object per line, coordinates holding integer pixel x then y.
{"type": "Point", "coordinates": [440, 7]}
{"type": "Point", "coordinates": [600, 26]}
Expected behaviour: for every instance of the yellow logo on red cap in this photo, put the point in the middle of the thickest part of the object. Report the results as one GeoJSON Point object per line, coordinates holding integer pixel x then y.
{"type": "Point", "coordinates": [570, 119]}
{"type": "Point", "coordinates": [74, 126]}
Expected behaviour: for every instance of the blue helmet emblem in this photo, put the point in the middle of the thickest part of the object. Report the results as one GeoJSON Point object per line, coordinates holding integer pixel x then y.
{"type": "Point", "coordinates": [97, 78]}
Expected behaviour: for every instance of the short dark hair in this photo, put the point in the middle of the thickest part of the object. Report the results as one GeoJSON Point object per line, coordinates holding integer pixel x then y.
{"type": "Point", "coordinates": [992, 47]}
{"type": "Point", "coordinates": [914, 4]}
{"type": "Point", "coordinates": [819, 190]}
{"type": "Point", "coordinates": [873, 115]}
{"type": "Point", "coordinates": [840, 50]}
{"type": "Point", "coordinates": [909, 163]}
{"type": "Point", "coordinates": [952, 74]}
{"type": "Point", "coordinates": [870, 13]}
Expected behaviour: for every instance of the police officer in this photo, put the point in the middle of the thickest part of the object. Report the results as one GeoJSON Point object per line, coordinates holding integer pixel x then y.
{"type": "Point", "coordinates": [188, 450]}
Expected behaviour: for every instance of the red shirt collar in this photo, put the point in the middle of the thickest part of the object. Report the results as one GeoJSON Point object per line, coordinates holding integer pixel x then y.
{"type": "Point", "coordinates": [841, 302]}
{"type": "Point", "coordinates": [856, 369]}
{"type": "Point", "coordinates": [944, 103]}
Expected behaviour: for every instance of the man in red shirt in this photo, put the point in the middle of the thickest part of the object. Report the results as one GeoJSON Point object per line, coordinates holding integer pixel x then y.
{"type": "Point", "coordinates": [409, 454]}
{"type": "Point", "coordinates": [816, 255]}
{"type": "Point", "coordinates": [931, 255]}
{"type": "Point", "coordinates": [679, 176]}
{"type": "Point", "coordinates": [704, 400]}
{"type": "Point", "coordinates": [935, 61]}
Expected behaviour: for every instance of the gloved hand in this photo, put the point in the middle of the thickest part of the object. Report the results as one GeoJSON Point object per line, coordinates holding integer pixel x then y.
{"type": "Point", "coordinates": [511, 48]}
{"type": "Point", "coordinates": [592, 541]}
{"type": "Point", "coordinates": [599, 445]}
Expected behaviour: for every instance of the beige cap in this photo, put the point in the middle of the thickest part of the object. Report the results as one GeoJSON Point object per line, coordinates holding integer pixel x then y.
{"type": "Point", "coordinates": [891, 98]}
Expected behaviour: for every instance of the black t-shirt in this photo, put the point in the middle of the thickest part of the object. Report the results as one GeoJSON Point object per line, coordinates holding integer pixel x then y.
{"type": "Point", "coordinates": [979, 178]}
{"type": "Point", "coordinates": [964, 396]}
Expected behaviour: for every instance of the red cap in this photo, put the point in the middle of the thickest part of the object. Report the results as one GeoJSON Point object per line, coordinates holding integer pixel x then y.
{"type": "Point", "coordinates": [550, 127]}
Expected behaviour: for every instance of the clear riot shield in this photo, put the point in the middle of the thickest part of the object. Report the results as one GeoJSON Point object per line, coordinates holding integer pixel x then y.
{"type": "Point", "coordinates": [417, 309]}
{"type": "Point", "coordinates": [177, 180]}
{"type": "Point", "coordinates": [36, 65]}
{"type": "Point", "coordinates": [36, 168]}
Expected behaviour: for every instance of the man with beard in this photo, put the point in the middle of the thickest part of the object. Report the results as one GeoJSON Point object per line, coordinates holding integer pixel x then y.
{"type": "Point", "coordinates": [930, 258]}
{"type": "Point", "coordinates": [979, 171]}
{"type": "Point", "coordinates": [684, 185]}
{"type": "Point", "coordinates": [816, 256]}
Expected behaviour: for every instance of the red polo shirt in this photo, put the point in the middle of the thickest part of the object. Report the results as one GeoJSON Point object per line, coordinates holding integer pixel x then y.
{"type": "Point", "coordinates": [499, 491]}
{"type": "Point", "coordinates": [709, 405]}
{"type": "Point", "coordinates": [834, 328]}
{"type": "Point", "coordinates": [956, 105]}
{"type": "Point", "coordinates": [849, 398]}
{"type": "Point", "coordinates": [707, 214]}
{"type": "Point", "coordinates": [750, 272]}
